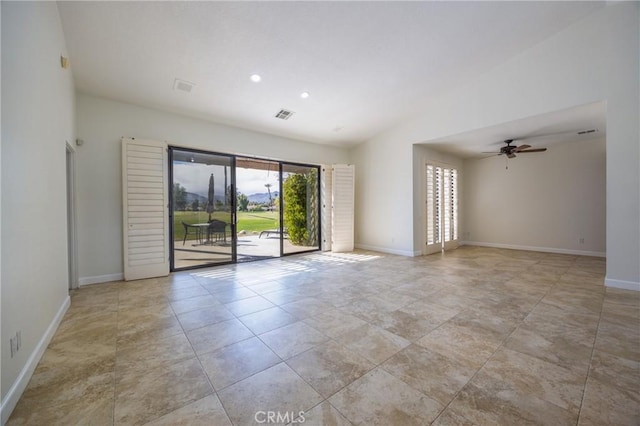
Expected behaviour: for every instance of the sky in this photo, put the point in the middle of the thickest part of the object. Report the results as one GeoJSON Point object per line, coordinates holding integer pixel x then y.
{"type": "Point", "coordinates": [195, 178]}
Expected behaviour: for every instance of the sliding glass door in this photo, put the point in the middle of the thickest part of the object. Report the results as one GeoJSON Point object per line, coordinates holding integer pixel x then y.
{"type": "Point", "coordinates": [257, 183]}
{"type": "Point", "coordinates": [300, 208]}
{"type": "Point", "coordinates": [202, 209]}
{"type": "Point", "coordinates": [228, 209]}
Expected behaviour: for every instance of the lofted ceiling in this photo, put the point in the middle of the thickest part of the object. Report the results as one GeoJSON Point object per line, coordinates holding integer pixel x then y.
{"type": "Point", "coordinates": [541, 131]}
{"type": "Point", "coordinates": [366, 65]}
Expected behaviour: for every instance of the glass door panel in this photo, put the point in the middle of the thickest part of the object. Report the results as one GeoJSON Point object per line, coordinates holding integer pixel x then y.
{"type": "Point", "coordinates": [258, 224]}
{"type": "Point", "coordinates": [202, 209]}
{"type": "Point", "coordinates": [300, 208]}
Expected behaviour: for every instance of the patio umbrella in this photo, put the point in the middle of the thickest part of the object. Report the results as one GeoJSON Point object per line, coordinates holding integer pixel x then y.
{"type": "Point", "coordinates": [210, 197]}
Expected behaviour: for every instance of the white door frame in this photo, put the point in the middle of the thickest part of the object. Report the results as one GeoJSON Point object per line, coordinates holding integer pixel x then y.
{"type": "Point", "coordinates": [448, 245]}
{"type": "Point", "coordinates": [72, 235]}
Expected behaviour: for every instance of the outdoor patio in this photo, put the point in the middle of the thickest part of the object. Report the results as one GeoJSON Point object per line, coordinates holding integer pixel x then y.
{"type": "Point", "coordinates": [250, 247]}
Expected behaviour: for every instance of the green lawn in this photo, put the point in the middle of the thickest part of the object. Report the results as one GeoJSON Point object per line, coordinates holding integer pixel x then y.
{"type": "Point", "coordinates": [247, 221]}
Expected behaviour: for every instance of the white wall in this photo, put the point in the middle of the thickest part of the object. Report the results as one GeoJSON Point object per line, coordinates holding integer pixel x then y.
{"type": "Point", "coordinates": [547, 201]}
{"type": "Point", "coordinates": [37, 118]}
{"type": "Point", "coordinates": [593, 60]}
{"type": "Point", "coordinates": [101, 123]}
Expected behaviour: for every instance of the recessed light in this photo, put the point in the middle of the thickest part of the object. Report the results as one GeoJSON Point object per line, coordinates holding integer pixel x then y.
{"type": "Point", "coordinates": [304, 95]}
{"type": "Point", "coordinates": [255, 78]}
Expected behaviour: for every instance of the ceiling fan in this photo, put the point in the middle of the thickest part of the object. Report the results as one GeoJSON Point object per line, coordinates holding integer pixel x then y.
{"type": "Point", "coordinates": [511, 150]}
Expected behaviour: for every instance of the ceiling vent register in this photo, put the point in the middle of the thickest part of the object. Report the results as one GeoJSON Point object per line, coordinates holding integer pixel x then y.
{"type": "Point", "coordinates": [284, 114]}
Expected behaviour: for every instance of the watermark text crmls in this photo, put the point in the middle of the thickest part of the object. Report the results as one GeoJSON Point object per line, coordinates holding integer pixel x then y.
{"type": "Point", "coordinates": [279, 417]}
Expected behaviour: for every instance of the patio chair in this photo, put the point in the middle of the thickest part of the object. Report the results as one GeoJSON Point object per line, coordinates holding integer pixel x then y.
{"type": "Point", "coordinates": [186, 231]}
{"type": "Point", "coordinates": [217, 229]}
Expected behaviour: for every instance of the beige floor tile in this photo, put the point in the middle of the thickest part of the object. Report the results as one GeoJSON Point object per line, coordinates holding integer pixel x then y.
{"type": "Point", "coordinates": [607, 404]}
{"type": "Point", "coordinates": [204, 412]}
{"type": "Point", "coordinates": [238, 361]}
{"type": "Point", "coordinates": [146, 394]}
{"type": "Point", "coordinates": [621, 340]}
{"type": "Point", "coordinates": [293, 339]}
{"type": "Point", "coordinates": [616, 371]}
{"type": "Point", "coordinates": [329, 367]}
{"type": "Point", "coordinates": [249, 305]}
{"type": "Point", "coordinates": [90, 402]}
{"type": "Point", "coordinates": [498, 404]}
{"type": "Point", "coordinates": [432, 312]}
{"type": "Point", "coordinates": [555, 346]}
{"type": "Point", "coordinates": [203, 317]}
{"type": "Point", "coordinates": [529, 376]}
{"type": "Point", "coordinates": [404, 325]}
{"type": "Point", "coordinates": [323, 414]}
{"type": "Point", "coordinates": [435, 375]}
{"type": "Point", "coordinates": [277, 389]}
{"type": "Point", "coordinates": [160, 352]}
{"type": "Point", "coordinates": [575, 301]}
{"type": "Point", "coordinates": [334, 322]}
{"type": "Point", "coordinates": [378, 398]}
{"type": "Point", "coordinates": [307, 307]}
{"type": "Point", "coordinates": [470, 346]}
{"type": "Point", "coordinates": [373, 343]}
{"type": "Point", "coordinates": [193, 303]}
{"type": "Point", "coordinates": [620, 314]}
{"type": "Point", "coordinates": [267, 320]}
{"type": "Point", "coordinates": [449, 418]}
{"type": "Point", "coordinates": [233, 294]}
{"type": "Point", "coordinates": [623, 297]}
{"type": "Point", "coordinates": [217, 336]}
{"type": "Point", "coordinates": [147, 323]}
{"type": "Point", "coordinates": [534, 324]}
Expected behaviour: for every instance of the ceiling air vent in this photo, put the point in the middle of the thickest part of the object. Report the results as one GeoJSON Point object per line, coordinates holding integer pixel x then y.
{"type": "Point", "coordinates": [283, 114]}
{"type": "Point", "coordinates": [183, 86]}
{"type": "Point", "coordinates": [585, 132]}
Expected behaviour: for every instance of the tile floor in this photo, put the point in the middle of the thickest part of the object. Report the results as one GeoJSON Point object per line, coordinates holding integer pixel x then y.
{"type": "Point", "coordinates": [474, 337]}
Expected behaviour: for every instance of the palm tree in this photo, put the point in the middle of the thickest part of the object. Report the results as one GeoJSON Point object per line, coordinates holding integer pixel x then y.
{"type": "Point", "coordinates": [268, 186]}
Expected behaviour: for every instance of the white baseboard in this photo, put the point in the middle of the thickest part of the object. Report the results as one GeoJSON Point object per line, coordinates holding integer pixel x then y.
{"type": "Point", "coordinates": [21, 382]}
{"type": "Point", "coordinates": [532, 248]}
{"type": "Point", "coordinates": [625, 285]}
{"type": "Point", "coordinates": [100, 279]}
{"type": "Point", "coordinates": [388, 250]}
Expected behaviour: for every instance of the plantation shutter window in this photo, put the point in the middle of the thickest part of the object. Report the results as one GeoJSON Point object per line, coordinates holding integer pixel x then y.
{"type": "Point", "coordinates": [145, 203]}
{"type": "Point", "coordinates": [343, 207]}
{"type": "Point", "coordinates": [326, 172]}
{"type": "Point", "coordinates": [441, 208]}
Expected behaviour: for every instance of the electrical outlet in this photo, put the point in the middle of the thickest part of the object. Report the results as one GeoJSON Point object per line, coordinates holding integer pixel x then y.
{"type": "Point", "coordinates": [581, 240]}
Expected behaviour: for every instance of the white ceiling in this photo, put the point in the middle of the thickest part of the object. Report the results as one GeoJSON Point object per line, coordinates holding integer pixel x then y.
{"type": "Point", "coordinates": [367, 65]}
{"type": "Point", "coordinates": [542, 131]}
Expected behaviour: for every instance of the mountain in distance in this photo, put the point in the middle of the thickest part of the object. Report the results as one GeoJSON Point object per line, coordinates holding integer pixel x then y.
{"type": "Point", "coordinates": [202, 199]}
{"type": "Point", "coordinates": [262, 198]}
{"type": "Point", "coordinates": [191, 197]}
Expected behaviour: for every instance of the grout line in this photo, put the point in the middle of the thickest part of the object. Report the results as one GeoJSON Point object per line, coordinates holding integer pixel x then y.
{"type": "Point", "coordinates": [593, 350]}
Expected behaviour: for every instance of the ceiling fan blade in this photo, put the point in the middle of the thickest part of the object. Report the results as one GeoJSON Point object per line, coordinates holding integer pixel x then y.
{"type": "Point", "coordinates": [521, 147]}
{"type": "Point", "coordinates": [491, 152]}
{"type": "Point", "coordinates": [533, 150]}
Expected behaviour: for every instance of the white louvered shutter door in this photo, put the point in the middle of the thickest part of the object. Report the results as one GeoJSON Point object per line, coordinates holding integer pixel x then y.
{"type": "Point", "coordinates": [145, 185]}
{"type": "Point", "coordinates": [343, 211]}
{"type": "Point", "coordinates": [326, 194]}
